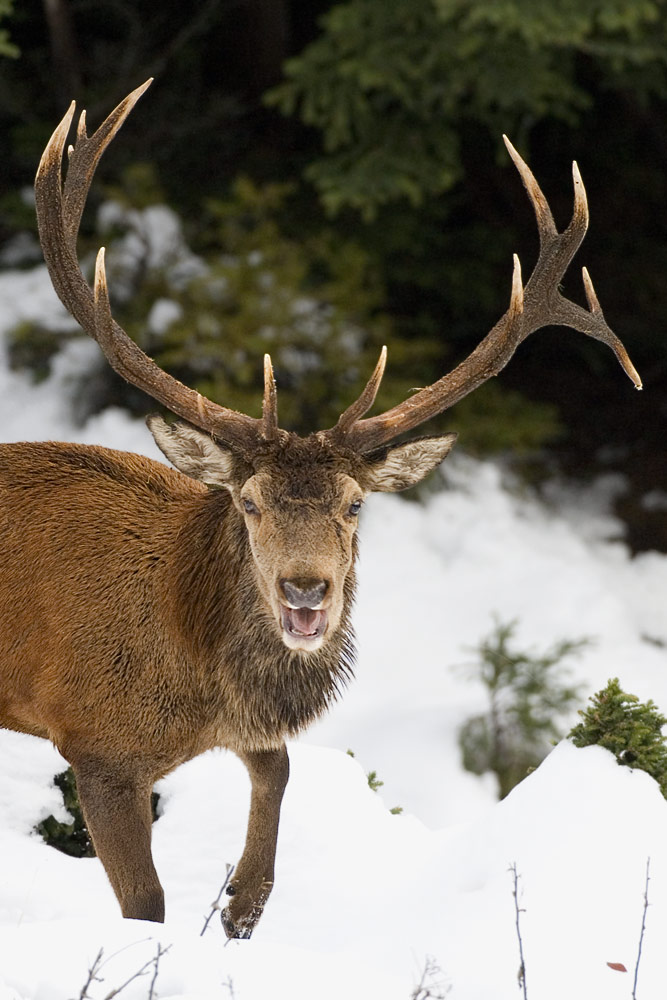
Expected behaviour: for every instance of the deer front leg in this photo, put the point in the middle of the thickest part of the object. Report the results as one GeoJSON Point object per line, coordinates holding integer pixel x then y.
{"type": "Point", "coordinates": [116, 805]}
{"type": "Point", "coordinates": [253, 879]}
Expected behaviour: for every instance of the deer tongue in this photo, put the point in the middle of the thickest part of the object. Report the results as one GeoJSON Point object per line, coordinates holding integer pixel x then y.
{"type": "Point", "coordinates": [304, 621]}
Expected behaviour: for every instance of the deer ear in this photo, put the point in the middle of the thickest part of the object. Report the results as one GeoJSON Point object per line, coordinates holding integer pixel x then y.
{"type": "Point", "coordinates": [404, 465]}
{"type": "Point", "coordinates": [193, 452]}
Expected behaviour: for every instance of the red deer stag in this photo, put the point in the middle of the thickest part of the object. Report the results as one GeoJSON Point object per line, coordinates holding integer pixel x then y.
{"type": "Point", "coordinates": [146, 617]}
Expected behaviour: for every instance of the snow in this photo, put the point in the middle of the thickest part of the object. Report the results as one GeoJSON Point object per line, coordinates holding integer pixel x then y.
{"type": "Point", "coordinates": [364, 899]}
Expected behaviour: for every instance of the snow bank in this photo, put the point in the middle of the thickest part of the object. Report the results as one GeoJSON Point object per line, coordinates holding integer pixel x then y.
{"type": "Point", "coordinates": [362, 897]}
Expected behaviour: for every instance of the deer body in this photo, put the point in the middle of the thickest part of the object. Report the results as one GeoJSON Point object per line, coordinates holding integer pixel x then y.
{"type": "Point", "coordinates": [133, 633]}
{"type": "Point", "coordinates": [147, 582]}
{"type": "Point", "coordinates": [148, 615]}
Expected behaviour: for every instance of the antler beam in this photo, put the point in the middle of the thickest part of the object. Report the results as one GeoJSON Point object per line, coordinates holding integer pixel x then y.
{"type": "Point", "coordinates": [59, 210]}
{"type": "Point", "coordinates": [537, 305]}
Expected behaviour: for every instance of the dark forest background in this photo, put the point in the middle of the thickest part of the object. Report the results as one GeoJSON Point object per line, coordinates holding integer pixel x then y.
{"type": "Point", "coordinates": [355, 148]}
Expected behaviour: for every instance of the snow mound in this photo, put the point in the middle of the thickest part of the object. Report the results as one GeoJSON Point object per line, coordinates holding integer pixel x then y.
{"type": "Point", "coordinates": [363, 898]}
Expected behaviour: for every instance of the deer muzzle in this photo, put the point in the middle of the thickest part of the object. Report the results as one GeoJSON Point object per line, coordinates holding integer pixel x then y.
{"type": "Point", "coordinates": [303, 617]}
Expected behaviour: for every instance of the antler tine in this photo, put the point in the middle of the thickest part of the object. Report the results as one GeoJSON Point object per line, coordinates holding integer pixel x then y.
{"type": "Point", "coordinates": [84, 157]}
{"type": "Point", "coordinates": [545, 220]}
{"type": "Point", "coordinates": [362, 405]}
{"type": "Point", "coordinates": [537, 305]}
{"type": "Point", "coordinates": [59, 210]}
{"type": "Point", "coordinates": [562, 246]}
{"type": "Point", "coordinates": [606, 335]}
{"type": "Point", "coordinates": [516, 302]}
{"type": "Point", "coordinates": [270, 403]}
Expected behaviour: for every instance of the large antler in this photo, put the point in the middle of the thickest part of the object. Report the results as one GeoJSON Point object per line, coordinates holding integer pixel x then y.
{"type": "Point", "coordinates": [537, 305]}
{"type": "Point", "coordinates": [59, 209]}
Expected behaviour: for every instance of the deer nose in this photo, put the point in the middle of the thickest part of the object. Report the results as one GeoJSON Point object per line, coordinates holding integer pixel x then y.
{"type": "Point", "coordinates": [304, 593]}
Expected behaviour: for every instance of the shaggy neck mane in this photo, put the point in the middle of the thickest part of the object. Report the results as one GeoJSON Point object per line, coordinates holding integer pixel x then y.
{"type": "Point", "coordinates": [275, 691]}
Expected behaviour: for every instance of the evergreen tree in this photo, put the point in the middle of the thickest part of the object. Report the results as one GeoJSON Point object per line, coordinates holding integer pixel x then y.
{"type": "Point", "coordinates": [526, 695]}
{"type": "Point", "coordinates": [630, 729]}
{"type": "Point", "coordinates": [391, 83]}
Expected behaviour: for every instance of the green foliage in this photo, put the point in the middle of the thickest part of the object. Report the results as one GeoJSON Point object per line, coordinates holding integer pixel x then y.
{"type": "Point", "coordinates": [526, 695]}
{"type": "Point", "coordinates": [494, 420]}
{"type": "Point", "coordinates": [7, 48]}
{"type": "Point", "coordinates": [70, 838]}
{"type": "Point", "coordinates": [33, 346]}
{"type": "Point", "coordinates": [630, 729]}
{"type": "Point", "coordinates": [137, 187]}
{"type": "Point", "coordinates": [73, 838]}
{"type": "Point", "coordinates": [389, 83]}
{"type": "Point", "coordinates": [313, 304]}
{"type": "Point", "coordinates": [374, 783]}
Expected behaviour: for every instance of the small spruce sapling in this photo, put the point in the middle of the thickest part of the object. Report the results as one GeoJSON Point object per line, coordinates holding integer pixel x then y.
{"type": "Point", "coordinates": [526, 696]}
{"type": "Point", "coordinates": [630, 729]}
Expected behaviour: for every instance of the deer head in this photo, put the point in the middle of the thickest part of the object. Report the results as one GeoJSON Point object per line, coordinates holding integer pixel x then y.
{"type": "Point", "coordinates": [300, 497]}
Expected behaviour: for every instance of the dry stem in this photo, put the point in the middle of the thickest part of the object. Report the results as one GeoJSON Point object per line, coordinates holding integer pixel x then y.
{"type": "Point", "coordinates": [215, 905]}
{"type": "Point", "coordinates": [521, 975]}
{"type": "Point", "coordinates": [93, 976]}
{"type": "Point", "coordinates": [429, 986]}
{"type": "Point", "coordinates": [641, 933]}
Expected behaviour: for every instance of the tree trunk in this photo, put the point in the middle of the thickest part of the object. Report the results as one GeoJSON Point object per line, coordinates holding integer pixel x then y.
{"type": "Point", "coordinates": [64, 51]}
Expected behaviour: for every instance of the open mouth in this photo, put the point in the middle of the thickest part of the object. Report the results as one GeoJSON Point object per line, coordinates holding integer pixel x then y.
{"type": "Point", "coordinates": [304, 626]}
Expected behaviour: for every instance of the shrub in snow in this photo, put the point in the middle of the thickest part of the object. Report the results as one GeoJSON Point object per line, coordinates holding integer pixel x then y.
{"type": "Point", "coordinates": [526, 695]}
{"type": "Point", "coordinates": [70, 838]}
{"type": "Point", "coordinates": [630, 729]}
{"type": "Point", "coordinates": [375, 784]}
{"type": "Point", "coordinates": [33, 345]}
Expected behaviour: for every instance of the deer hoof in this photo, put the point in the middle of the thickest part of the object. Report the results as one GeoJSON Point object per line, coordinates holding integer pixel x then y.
{"type": "Point", "coordinates": [240, 929]}
{"type": "Point", "coordinates": [240, 917]}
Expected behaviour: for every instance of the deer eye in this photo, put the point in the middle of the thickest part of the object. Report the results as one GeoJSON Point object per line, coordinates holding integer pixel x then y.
{"type": "Point", "coordinates": [249, 507]}
{"type": "Point", "coordinates": [354, 508]}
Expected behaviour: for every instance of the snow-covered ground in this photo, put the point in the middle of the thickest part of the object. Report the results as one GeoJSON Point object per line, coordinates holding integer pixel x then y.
{"type": "Point", "coordinates": [366, 901]}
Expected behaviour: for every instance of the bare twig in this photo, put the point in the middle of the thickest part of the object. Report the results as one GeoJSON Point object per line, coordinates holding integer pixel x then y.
{"type": "Point", "coordinates": [229, 986]}
{"type": "Point", "coordinates": [521, 975]}
{"type": "Point", "coordinates": [156, 962]}
{"type": "Point", "coordinates": [430, 986]}
{"type": "Point", "coordinates": [641, 933]}
{"type": "Point", "coordinates": [215, 905]}
{"type": "Point", "coordinates": [93, 976]}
